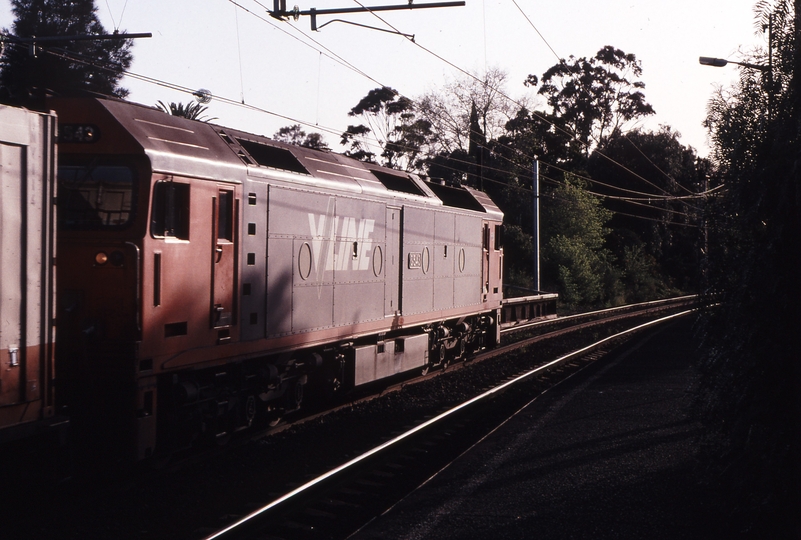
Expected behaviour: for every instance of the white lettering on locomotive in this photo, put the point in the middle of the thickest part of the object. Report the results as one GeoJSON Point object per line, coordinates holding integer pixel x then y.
{"type": "Point", "coordinates": [354, 247]}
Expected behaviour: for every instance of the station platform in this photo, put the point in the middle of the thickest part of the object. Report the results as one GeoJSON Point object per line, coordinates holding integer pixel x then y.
{"type": "Point", "coordinates": [610, 453]}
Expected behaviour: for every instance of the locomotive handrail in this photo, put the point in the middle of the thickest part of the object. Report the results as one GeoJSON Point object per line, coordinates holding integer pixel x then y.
{"type": "Point", "coordinates": [138, 286]}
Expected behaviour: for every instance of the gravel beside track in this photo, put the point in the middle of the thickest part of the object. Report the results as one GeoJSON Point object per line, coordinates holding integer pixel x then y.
{"type": "Point", "coordinates": [610, 453]}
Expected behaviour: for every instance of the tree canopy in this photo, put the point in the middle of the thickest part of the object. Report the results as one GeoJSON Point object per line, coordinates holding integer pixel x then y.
{"type": "Point", "coordinates": [465, 107]}
{"type": "Point", "coordinates": [294, 134]}
{"type": "Point", "coordinates": [752, 368]}
{"type": "Point", "coordinates": [575, 253]}
{"type": "Point", "coordinates": [61, 68]}
{"type": "Point", "coordinates": [470, 132]}
{"type": "Point", "coordinates": [391, 120]}
{"type": "Point", "coordinates": [592, 97]}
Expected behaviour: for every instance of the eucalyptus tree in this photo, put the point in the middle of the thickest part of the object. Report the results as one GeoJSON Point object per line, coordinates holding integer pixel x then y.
{"type": "Point", "coordinates": [590, 98]}
{"type": "Point", "coordinates": [468, 106]}
{"type": "Point", "coordinates": [296, 135]}
{"type": "Point", "coordinates": [391, 120]}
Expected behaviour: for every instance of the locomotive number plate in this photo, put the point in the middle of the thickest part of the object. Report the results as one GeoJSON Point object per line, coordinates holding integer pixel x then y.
{"type": "Point", "coordinates": [415, 260]}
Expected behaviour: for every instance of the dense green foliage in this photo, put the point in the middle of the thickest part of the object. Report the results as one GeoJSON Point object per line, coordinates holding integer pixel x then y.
{"type": "Point", "coordinates": [667, 235]}
{"type": "Point", "coordinates": [575, 255]}
{"type": "Point", "coordinates": [64, 67]}
{"type": "Point", "coordinates": [753, 361]}
{"type": "Point", "coordinates": [593, 252]}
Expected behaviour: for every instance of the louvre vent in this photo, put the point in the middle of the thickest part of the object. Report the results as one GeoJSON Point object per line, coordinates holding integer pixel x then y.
{"type": "Point", "coordinates": [396, 182]}
{"type": "Point", "coordinates": [272, 156]}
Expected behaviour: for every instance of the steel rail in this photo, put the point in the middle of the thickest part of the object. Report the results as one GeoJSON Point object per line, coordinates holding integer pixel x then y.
{"type": "Point", "coordinates": [590, 314]}
{"type": "Point", "coordinates": [492, 353]}
{"type": "Point", "coordinates": [229, 529]}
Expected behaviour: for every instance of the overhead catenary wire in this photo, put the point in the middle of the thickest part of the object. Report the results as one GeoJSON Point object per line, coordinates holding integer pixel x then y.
{"type": "Point", "coordinates": [77, 58]}
{"type": "Point", "coordinates": [239, 55]}
{"type": "Point", "coordinates": [621, 213]}
{"type": "Point", "coordinates": [505, 96]}
{"type": "Point", "coordinates": [328, 52]}
{"type": "Point", "coordinates": [467, 73]}
{"type": "Point", "coordinates": [74, 57]}
{"type": "Point", "coordinates": [347, 64]}
{"type": "Point", "coordinates": [561, 60]}
{"type": "Point", "coordinates": [329, 130]}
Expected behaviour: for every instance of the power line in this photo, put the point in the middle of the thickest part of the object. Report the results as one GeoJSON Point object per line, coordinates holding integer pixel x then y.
{"type": "Point", "coordinates": [77, 58]}
{"type": "Point", "coordinates": [534, 114]}
{"type": "Point", "coordinates": [561, 60]}
{"type": "Point", "coordinates": [328, 52]}
{"type": "Point", "coordinates": [72, 56]}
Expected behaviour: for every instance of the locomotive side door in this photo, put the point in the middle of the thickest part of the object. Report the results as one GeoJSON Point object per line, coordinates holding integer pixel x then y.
{"type": "Point", "coordinates": [13, 292]}
{"type": "Point", "coordinates": [223, 254]}
{"type": "Point", "coordinates": [485, 267]}
{"type": "Point", "coordinates": [392, 273]}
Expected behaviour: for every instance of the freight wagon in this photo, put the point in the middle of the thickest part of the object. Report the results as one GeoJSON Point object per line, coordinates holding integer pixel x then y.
{"type": "Point", "coordinates": [27, 254]}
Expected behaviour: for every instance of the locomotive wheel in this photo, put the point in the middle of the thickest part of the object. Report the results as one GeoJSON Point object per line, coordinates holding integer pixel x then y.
{"type": "Point", "coordinates": [250, 410]}
{"type": "Point", "coordinates": [274, 416]}
{"type": "Point", "coordinates": [295, 396]}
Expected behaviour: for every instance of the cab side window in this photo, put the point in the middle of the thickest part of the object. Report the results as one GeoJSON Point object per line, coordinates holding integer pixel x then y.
{"type": "Point", "coordinates": [170, 214]}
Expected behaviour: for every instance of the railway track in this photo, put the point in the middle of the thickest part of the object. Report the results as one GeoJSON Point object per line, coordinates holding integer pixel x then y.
{"type": "Point", "coordinates": [205, 494]}
{"type": "Point", "coordinates": [339, 501]}
{"type": "Point", "coordinates": [517, 337]}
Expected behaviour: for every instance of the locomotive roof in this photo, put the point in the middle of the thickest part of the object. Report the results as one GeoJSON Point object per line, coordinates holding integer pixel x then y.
{"type": "Point", "coordinates": [179, 146]}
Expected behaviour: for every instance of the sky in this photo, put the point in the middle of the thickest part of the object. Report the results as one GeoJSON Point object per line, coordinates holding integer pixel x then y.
{"type": "Point", "coordinates": [240, 54]}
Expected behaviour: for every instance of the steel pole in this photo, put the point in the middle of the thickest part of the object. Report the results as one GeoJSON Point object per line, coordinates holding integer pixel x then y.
{"type": "Point", "coordinates": [535, 169]}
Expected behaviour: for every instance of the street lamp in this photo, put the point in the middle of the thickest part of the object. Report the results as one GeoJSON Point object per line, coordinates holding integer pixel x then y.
{"type": "Point", "coordinates": [720, 62]}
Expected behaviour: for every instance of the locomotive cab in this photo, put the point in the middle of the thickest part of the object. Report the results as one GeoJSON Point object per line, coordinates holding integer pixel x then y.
{"type": "Point", "coordinates": [102, 213]}
{"type": "Point", "coordinates": [148, 269]}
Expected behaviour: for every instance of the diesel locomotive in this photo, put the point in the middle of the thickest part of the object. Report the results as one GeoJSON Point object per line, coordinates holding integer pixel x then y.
{"type": "Point", "coordinates": [209, 278]}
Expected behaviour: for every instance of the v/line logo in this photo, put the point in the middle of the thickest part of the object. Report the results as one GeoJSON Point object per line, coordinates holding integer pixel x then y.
{"type": "Point", "coordinates": [351, 252]}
